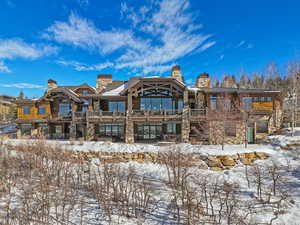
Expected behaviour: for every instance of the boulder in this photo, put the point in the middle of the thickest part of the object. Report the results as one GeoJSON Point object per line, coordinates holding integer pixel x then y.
{"type": "Point", "coordinates": [216, 168]}
{"type": "Point", "coordinates": [228, 162]}
{"type": "Point", "coordinates": [262, 155]}
{"type": "Point", "coordinates": [247, 161]}
{"type": "Point", "coordinates": [250, 155]}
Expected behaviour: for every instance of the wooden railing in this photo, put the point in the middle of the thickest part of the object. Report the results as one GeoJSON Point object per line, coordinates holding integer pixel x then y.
{"type": "Point", "coordinates": [156, 113]}
{"type": "Point", "coordinates": [105, 113]}
{"type": "Point", "coordinates": [198, 112]}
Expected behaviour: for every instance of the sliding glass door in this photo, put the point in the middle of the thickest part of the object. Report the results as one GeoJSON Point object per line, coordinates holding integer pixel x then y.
{"type": "Point", "coordinates": [149, 132]}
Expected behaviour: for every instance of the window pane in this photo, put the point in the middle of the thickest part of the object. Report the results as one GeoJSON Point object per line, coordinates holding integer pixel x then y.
{"type": "Point", "coordinates": [108, 130]}
{"type": "Point", "coordinates": [26, 129]}
{"type": "Point", "coordinates": [58, 129]}
{"type": "Point", "coordinates": [64, 109]}
{"type": "Point", "coordinates": [121, 106]}
{"type": "Point", "coordinates": [26, 109]}
{"type": "Point", "coordinates": [213, 103]}
{"type": "Point", "coordinates": [247, 102]}
{"type": "Point", "coordinates": [230, 129]}
{"type": "Point", "coordinates": [114, 130]}
{"type": "Point", "coordinates": [42, 110]}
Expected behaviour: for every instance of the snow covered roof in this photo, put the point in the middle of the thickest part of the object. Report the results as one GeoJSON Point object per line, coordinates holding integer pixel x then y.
{"type": "Point", "coordinates": [116, 91]}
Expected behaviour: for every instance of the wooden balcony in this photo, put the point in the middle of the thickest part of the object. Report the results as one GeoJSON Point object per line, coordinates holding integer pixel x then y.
{"type": "Point", "coordinates": [105, 115]}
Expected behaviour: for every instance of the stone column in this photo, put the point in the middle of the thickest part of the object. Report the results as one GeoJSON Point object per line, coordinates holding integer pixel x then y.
{"type": "Point", "coordinates": [186, 98]}
{"type": "Point", "coordinates": [129, 102]}
{"type": "Point", "coordinates": [185, 125]}
{"type": "Point", "coordinates": [97, 105]}
{"type": "Point", "coordinates": [90, 133]}
{"type": "Point", "coordinates": [129, 132]}
{"type": "Point", "coordinates": [72, 131]}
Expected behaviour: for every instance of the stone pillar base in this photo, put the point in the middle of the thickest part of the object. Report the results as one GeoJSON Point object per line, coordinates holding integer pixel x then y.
{"type": "Point", "coordinates": [129, 135]}
{"type": "Point", "coordinates": [72, 131]}
{"type": "Point", "coordinates": [90, 134]}
{"type": "Point", "coordinates": [185, 126]}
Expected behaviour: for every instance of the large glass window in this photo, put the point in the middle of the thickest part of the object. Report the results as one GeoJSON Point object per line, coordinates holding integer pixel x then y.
{"type": "Point", "coordinates": [157, 104]}
{"type": "Point", "coordinates": [262, 126]}
{"type": "Point", "coordinates": [213, 102]}
{"type": "Point", "coordinates": [247, 102]}
{"type": "Point", "coordinates": [58, 129]}
{"type": "Point", "coordinates": [111, 130]}
{"type": "Point", "coordinates": [43, 127]}
{"type": "Point", "coordinates": [42, 110]}
{"type": "Point", "coordinates": [116, 106]}
{"type": "Point", "coordinates": [171, 128]}
{"type": "Point", "coordinates": [64, 109]}
{"type": "Point", "coordinates": [149, 132]}
{"type": "Point", "coordinates": [85, 92]}
{"type": "Point", "coordinates": [26, 129]}
{"type": "Point", "coordinates": [26, 109]}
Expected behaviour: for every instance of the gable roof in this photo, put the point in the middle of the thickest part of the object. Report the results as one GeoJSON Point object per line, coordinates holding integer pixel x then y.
{"type": "Point", "coordinates": [135, 80]}
{"type": "Point", "coordinates": [67, 91]}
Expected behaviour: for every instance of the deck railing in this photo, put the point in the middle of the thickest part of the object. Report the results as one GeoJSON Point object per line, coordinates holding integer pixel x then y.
{"type": "Point", "coordinates": [156, 113]}
{"type": "Point", "coordinates": [105, 113]}
{"type": "Point", "coordinates": [198, 112]}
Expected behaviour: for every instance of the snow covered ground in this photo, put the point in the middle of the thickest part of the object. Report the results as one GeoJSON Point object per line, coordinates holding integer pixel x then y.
{"type": "Point", "coordinates": [287, 160]}
{"type": "Point", "coordinates": [131, 148]}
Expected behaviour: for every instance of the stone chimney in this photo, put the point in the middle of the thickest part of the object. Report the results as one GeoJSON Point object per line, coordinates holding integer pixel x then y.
{"type": "Point", "coordinates": [102, 81]}
{"type": "Point", "coordinates": [51, 85]}
{"type": "Point", "coordinates": [203, 81]}
{"type": "Point", "coordinates": [229, 82]}
{"type": "Point", "coordinates": [176, 73]}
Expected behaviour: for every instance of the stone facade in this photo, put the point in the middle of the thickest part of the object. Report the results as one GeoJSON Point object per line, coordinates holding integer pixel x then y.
{"type": "Point", "coordinates": [185, 126]}
{"type": "Point", "coordinates": [90, 134]}
{"type": "Point", "coordinates": [129, 135]}
{"type": "Point", "coordinates": [72, 131]}
{"type": "Point", "coordinates": [217, 133]}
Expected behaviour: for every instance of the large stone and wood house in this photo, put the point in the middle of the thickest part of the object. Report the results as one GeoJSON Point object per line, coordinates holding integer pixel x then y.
{"type": "Point", "coordinates": [147, 109]}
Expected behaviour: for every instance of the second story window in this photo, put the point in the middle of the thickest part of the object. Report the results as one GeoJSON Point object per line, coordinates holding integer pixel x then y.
{"type": "Point", "coordinates": [85, 92]}
{"type": "Point", "coordinates": [42, 110]}
{"type": "Point", "coordinates": [26, 109]}
{"type": "Point", "coordinates": [64, 109]}
{"type": "Point", "coordinates": [247, 102]}
{"type": "Point", "coordinates": [118, 106]}
{"type": "Point", "coordinates": [213, 102]}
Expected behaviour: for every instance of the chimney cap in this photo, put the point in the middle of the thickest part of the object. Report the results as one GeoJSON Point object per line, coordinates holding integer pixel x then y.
{"type": "Point", "coordinates": [203, 75]}
{"type": "Point", "coordinates": [176, 67]}
{"type": "Point", "coordinates": [104, 76]}
{"type": "Point", "coordinates": [52, 81]}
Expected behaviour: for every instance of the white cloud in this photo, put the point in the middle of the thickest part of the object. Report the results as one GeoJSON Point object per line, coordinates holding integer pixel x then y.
{"type": "Point", "coordinates": [159, 35]}
{"type": "Point", "coordinates": [250, 46]}
{"type": "Point", "coordinates": [4, 68]}
{"type": "Point", "coordinates": [245, 45]}
{"type": "Point", "coordinates": [22, 85]}
{"type": "Point", "coordinates": [17, 48]}
{"type": "Point", "coordinates": [82, 33]}
{"type": "Point", "coordinates": [241, 44]}
{"type": "Point", "coordinates": [84, 3]}
{"type": "Point", "coordinates": [83, 67]}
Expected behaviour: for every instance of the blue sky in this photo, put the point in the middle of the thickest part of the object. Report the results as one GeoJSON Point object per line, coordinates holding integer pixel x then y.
{"type": "Point", "coordinates": [73, 40]}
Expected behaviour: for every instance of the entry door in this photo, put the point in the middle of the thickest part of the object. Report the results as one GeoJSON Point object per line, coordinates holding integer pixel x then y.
{"type": "Point", "coordinates": [250, 135]}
